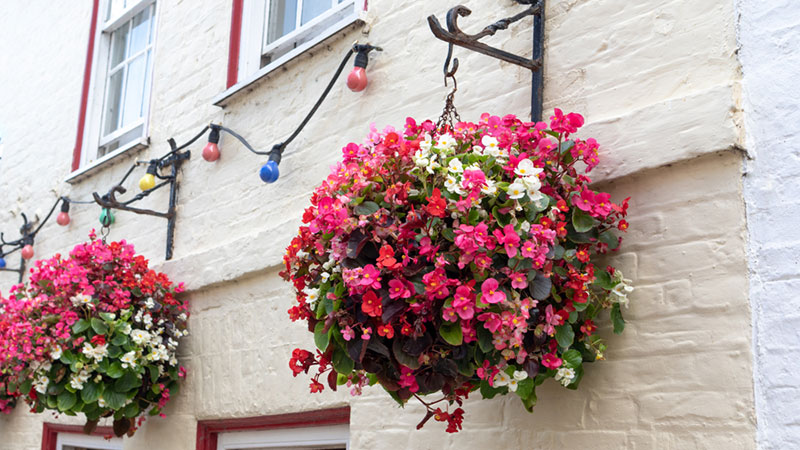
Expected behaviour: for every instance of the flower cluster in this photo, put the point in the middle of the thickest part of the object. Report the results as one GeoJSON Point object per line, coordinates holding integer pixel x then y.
{"type": "Point", "coordinates": [94, 333]}
{"type": "Point", "coordinates": [458, 259]}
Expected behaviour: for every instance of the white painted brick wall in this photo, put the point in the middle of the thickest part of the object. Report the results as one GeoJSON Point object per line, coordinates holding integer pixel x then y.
{"type": "Point", "coordinates": [657, 82]}
{"type": "Point", "coordinates": [769, 35]}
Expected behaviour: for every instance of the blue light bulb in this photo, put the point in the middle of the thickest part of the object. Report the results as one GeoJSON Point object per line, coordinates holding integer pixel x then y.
{"type": "Point", "coordinates": [2, 263]}
{"type": "Point", "coordinates": [269, 172]}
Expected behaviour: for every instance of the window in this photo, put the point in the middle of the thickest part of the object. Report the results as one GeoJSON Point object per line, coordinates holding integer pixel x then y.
{"type": "Point", "coordinates": [267, 33]}
{"type": "Point", "coordinates": [116, 102]}
{"type": "Point", "coordinates": [71, 437]}
{"type": "Point", "coordinates": [326, 429]}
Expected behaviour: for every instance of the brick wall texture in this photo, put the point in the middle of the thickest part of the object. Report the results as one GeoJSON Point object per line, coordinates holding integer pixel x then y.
{"type": "Point", "coordinates": [659, 85]}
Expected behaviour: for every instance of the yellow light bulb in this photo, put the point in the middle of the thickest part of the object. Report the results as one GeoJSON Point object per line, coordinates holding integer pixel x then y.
{"type": "Point", "coordinates": [147, 182]}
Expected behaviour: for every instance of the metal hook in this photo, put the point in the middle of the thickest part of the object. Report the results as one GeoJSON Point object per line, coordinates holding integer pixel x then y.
{"type": "Point", "coordinates": [450, 70]}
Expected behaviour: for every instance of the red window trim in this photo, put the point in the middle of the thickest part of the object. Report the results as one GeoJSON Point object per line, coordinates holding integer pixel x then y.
{"type": "Point", "coordinates": [236, 41]}
{"type": "Point", "coordinates": [87, 78]}
{"type": "Point", "coordinates": [207, 430]}
{"type": "Point", "coordinates": [50, 433]}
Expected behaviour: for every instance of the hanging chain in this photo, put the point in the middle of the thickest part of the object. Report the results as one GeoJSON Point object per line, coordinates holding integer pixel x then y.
{"type": "Point", "coordinates": [449, 113]}
{"type": "Point", "coordinates": [104, 231]}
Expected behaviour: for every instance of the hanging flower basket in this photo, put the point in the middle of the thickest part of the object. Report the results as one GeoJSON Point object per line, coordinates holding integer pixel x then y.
{"type": "Point", "coordinates": [95, 333]}
{"type": "Point", "coordinates": [451, 260]}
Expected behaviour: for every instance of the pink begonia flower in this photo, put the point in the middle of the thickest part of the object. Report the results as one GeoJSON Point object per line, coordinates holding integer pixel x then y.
{"type": "Point", "coordinates": [519, 280]}
{"type": "Point", "coordinates": [552, 320]}
{"type": "Point", "coordinates": [449, 314]}
{"type": "Point", "coordinates": [491, 321]}
{"type": "Point", "coordinates": [370, 277]}
{"type": "Point", "coordinates": [585, 201]}
{"type": "Point", "coordinates": [366, 333]}
{"type": "Point", "coordinates": [348, 333]}
{"type": "Point", "coordinates": [602, 204]}
{"type": "Point", "coordinates": [491, 291]}
{"type": "Point", "coordinates": [407, 379]}
{"type": "Point", "coordinates": [551, 361]}
{"type": "Point", "coordinates": [398, 289]}
{"type": "Point", "coordinates": [468, 331]}
{"type": "Point", "coordinates": [509, 238]}
{"type": "Point", "coordinates": [529, 249]}
{"type": "Point", "coordinates": [435, 283]}
{"type": "Point", "coordinates": [464, 307]}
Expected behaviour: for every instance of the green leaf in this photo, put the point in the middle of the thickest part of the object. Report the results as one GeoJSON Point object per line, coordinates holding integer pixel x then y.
{"type": "Point", "coordinates": [366, 208]}
{"type": "Point", "coordinates": [530, 402]}
{"type": "Point", "coordinates": [485, 339]}
{"type": "Point", "coordinates": [108, 317]}
{"type": "Point", "coordinates": [321, 336]}
{"type": "Point", "coordinates": [449, 234]}
{"type": "Point", "coordinates": [540, 286]}
{"type": "Point", "coordinates": [114, 400]}
{"type": "Point", "coordinates": [131, 410]}
{"type": "Point", "coordinates": [66, 400]}
{"type": "Point", "coordinates": [127, 382]}
{"type": "Point", "coordinates": [488, 391]}
{"type": "Point", "coordinates": [572, 358]}
{"type": "Point", "coordinates": [99, 326]}
{"type": "Point", "coordinates": [474, 216]}
{"type": "Point", "coordinates": [566, 146]}
{"type": "Point", "coordinates": [525, 388]}
{"type": "Point", "coordinates": [581, 221]}
{"type": "Point", "coordinates": [616, 319]}
{"type": "Point", "coordinates": [412, 362]}
{"type": "Point", "coordinates": [610, 239]}
{"type": "Point", "coordinates": [91, 392]}
{"type": "Point", "coordinates": [67, 357]}
{"type": "Point", "coordinates": [119, 340]}
{"type": "Point", "coordinates": [603, 279]}
{"type": "Point", "coordinates": [153, 374]}
{"type": "Point", "coordinates": [565, 335]}
{"type": "Point", "coordinates": [80, 326]}
{"type": "Point", "coordinates": [451, 333]}
{"type": "Point", "coordinates": [115, 370]}
{"type": "Point", "coordinates": [341, 362]}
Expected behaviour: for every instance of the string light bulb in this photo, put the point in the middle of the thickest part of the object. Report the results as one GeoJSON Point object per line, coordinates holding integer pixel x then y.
{"type": "Point", "coordinates": [106, 217]}
{"type": "Point", "coordinates": [63, 217]}
{"type": "Point", "coordinates": [269, 172]}
{"type": "Point", "coordinates": [2, 263]}
{"type": "Point", "coordinates": [27, 251]}
{"type": "Point", "coordinates": [148, 181]}
{"type": "Point", "coordinates": [357, 79]}
{"type": "Point", "coordinates": [211, 150]}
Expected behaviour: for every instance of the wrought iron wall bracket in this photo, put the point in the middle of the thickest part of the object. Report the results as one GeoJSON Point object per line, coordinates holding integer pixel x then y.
{"type": "Point", "coordinates": [173, 161]}
{"type": "Point", "coordinates": [455, 36]}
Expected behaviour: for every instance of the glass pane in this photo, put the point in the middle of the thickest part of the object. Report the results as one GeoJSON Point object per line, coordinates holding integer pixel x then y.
{"type": "Point", "coordinates": [282, 19]}
{"type": "Point", "coordinates": [313, 8]}
{"type": "Point", "coordinates": [113, 97]}
{"type": "Point", "coordinates": [140, 31]}
{"type": "Point", "coordinates": [134, 89]}
{"type": "Point", "coordinates": [114, 8]}
{"type": "Point", "coordinates": [119, 42]}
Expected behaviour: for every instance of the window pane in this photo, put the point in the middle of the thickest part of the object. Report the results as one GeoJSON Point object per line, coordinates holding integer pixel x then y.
{"type": "Point", "coordinates": [119, 42]}
{"type": "Point", "coordinates": [140, 30]}
{"type": "Point", "coordinates": [313, 8]}
{"type": "Point", "coordinates": [282, 18]}
{"type": "Point", "coordinates": [115, 7]}
{"type": "Point", "coordinates": [134, 89]}
{"type": "Point", "coordinates": [113, 97]}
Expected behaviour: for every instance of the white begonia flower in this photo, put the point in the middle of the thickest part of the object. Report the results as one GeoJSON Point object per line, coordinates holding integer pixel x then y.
{"type": "Point", "coordinates": [501, 379]}
{"type": "Point", "coordinates": [40, 384]}
{"type": "Point", "coordinates": [325, 276]}
{"type": "Point", "coordinates": [96, 353]}
{"type": "Point", "coordinates": [531, 183]}
{"type": "Point", "coordinates": [525, 226]}
{"type": "Point", "coordinates": [513, 383]}
{"type": "Point", "coordinates": [124, 328]}
{"type": "Point", "coordinates": [421, 158]}
{"type": "Point", "coordinates": [489, 143]}
{"type": "Point", "coordinates": [520, 375]}
{"type": "Point", "coordinates": [148, 320]}
{"type": "Point", "coordinates": [55, 353]}
{"type": "Point", "coordinates": [450, 183]}
{"type": "Point", "coordinates": [426, 143]}
{"type": "Point", "coordinates": [101, 402]}
{"type": "Point", "coordinates": [77, 380]}
{"type": "Point", "coordinates": [455, 166]}
{"type": "Point", "coordinates": [489, 188]}
{"type": "Point", "coordinates": [516, 190]}
{"type": "Point", "coordinates": [432, 166]}
{"type": "Point", "coordinates": [128, 359]}
{"type": "Point", "coordinates": [477, 149]}
{"type": "Point", "coordinates": [621, 291]}
{"type": "Point", "coordinates": [149, 303]}
{"type": "Point", "coordinates": [312, 294]}
{"type": "Point", "coordinates": [565, 375]}
{"type": "Point", "coordinates": [81, 299]}
{"type": "Point", "coordinates": [140, 336]}
{"type": "Point", "coordinates": [182, 317]}
{"type": "Point", "coordinates": [446, 142]}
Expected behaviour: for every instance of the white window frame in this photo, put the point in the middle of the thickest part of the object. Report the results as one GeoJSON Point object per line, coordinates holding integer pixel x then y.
{"type": "Point", "coordinates": [303, 437]}
{"type": "Point", "coordinates": [253, 42]}
{"type": "Point", "coordinates": [82, 440]}
{"type": "Point", "coordinates": [95, 108]}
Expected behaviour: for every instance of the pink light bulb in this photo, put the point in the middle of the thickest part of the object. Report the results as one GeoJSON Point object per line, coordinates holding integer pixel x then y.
{"type": "Point", "coordinates": [357, 79]}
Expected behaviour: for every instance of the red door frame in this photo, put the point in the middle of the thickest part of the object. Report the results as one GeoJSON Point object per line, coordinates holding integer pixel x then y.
{"type": "Point", "coordinates": [207, 430]}
{"type": "Point", "coordinates": [50, 433]}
